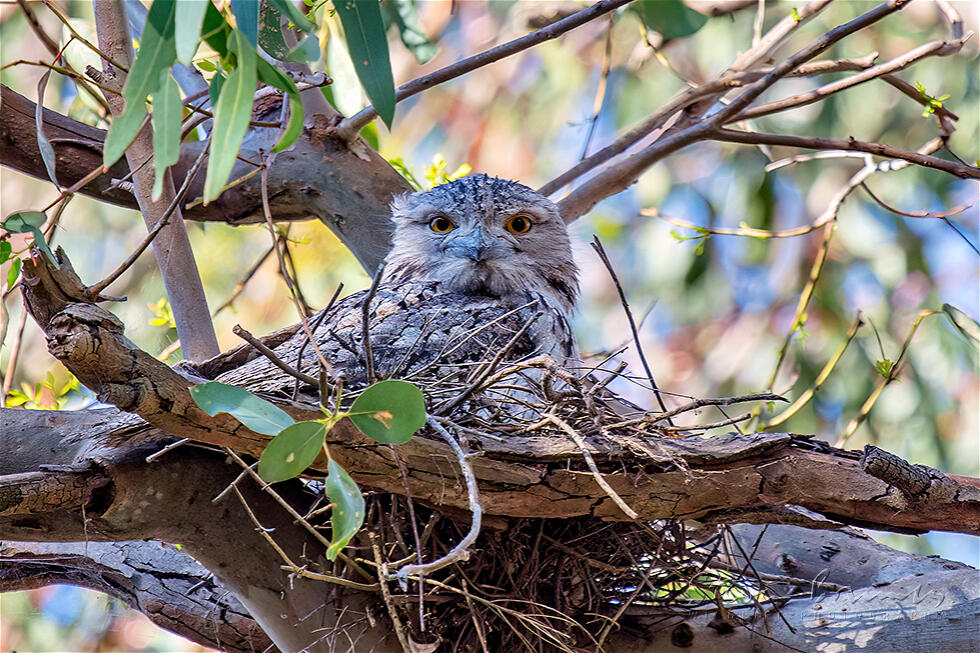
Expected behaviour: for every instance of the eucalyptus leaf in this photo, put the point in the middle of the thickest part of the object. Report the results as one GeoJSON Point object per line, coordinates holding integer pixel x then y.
{"type": "Point", "coordinates": [157, 53]}
{"type": "Point", "coordinates": [273, 43]}
{"type": "Point", "coordinates": [389, 411]}
{"type": "Point", "coordinates": [189, 18]}
{"type": "Point", "coordinates": [43, 144]}
{"type": "Point", "coordinates": [292, 451]}
{"type": "Point", "coordinates": [13, 273]}
{"type": "Point", "coordinates": [6, 250]}
{"type": "Point", "coordinates": [246, 14]}
{"type": "Point", "coordinates": [272, 76]}
{"type": "Point", "coordinates": [672, 19]}
{"type": "Point", "coordinates": [216, 30]}
{"type": "Point", "coordinates": [22, 222]}
{"type": "Point", "coordinates": [255, 413]}
{"type": "Point", "coordinates": [347, 515]}
{"type": "Point", "coordinates": [368, 47]}
{"type": "Point", "coordinates": [232, 114]}
{"type": "Point", "coordinates": [292, 12]}
{"type": "Point", "coordinates": [167, 112]}
{"type": "Point", "coordinates": [965, 324]}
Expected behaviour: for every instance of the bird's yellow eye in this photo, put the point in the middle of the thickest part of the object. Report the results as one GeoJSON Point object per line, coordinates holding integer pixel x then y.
{"type": "Point", "coordinates": [441, 224]}
{"type": "Point", "coordinates": [518, 224]}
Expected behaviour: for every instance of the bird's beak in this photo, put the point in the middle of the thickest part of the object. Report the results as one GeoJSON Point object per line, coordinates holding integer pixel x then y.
{"type": "Point", "coordinates": [473, 245]}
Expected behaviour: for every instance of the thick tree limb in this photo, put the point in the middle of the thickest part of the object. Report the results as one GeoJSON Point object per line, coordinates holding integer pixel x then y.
{"type": "Point", "coordinates": [736, 478]}
{"type": "Point", "coordinates": [165, 584]}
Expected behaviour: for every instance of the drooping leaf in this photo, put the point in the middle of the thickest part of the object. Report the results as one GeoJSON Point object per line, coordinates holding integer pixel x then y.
{"type": "Point", "coordinates": [347, 515]}
{"type": "Point", "coordinates": [365, 32]}
{"type": "Point", "coordinates": [255, 413]}
{"type": "Point", "coordinates": [13, 273]}
{"type": "Point", "coordinates": [272, 76]}
{"type": "Point", "coordinates": [246, 14]}
{"type": "Point", "coordinates": [43, 144]}
{"type": "Point", "coordinates": [965, 324]}
{"type": "Point", "coordinates": [231, 116]}
{"type": "Point", "coordinates": [292, 12]}
{"type": "Point", "coordinates": [292, 451]}
{"type": "Point", "coordinates": [157, 52]}
{"type": "Point", "coordinates": [30, 222]}
{"type": "Point", "coordinates": [671, 18]}
{"type": "Point", "coordinates": [6, 250]}
{"type": "Point", "coordinates": [214, 88]}
{"type": "Point", "coordinates": [345, 93]}
{"type": "Point", "coordinates": [189, 17]}
{"type": "Point", "coordinates": [405, 15]}
{"type": "Point", "coordinates": [167, 112]}
{"type": "Point", "coordinates": [389, 411]}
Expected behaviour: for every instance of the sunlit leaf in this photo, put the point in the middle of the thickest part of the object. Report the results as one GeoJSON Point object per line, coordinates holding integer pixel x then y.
{"type": "Point", "coordinates": [347, 515]}
{"type": "Point", "coordinates": [231, 116]}
{"type": "Point", "coordinates": [43, 144]}
{"type": "Point", "coordinates": [345, 92]}
{"type": "Point", "coordinates": [672, 19]}
{"type": "Point", "coordinates": [292, 451]}
{"type": "Point", "coordinates": [272, 76]}
{"type": "Point", "coordinates": [389, 411]}
{"type": "Point", "coordinates": [157, 52]}
{"type": "Point", "coordinates": [255, 413]}
{"type": "Point", "coordinates": [189, 17]}
{"type": "Point", "coordinates": [216, 30]}
{"type": "Point", "coordinates": [273, 43]}
{"type": "Point", "coordinates": [368, 46]}
{"type": "Point", "coordinates": [963, 322]}
{"type": "Point", "coordinates": [405, 15]}
{"type": "Point", "coordinates": [6, 250]}
{"type": "Point", "coordinates": [167, 112]}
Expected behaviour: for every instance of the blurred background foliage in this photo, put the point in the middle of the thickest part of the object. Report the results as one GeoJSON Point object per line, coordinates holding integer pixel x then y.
{"type": "Point", "coordinates": [714, 310]}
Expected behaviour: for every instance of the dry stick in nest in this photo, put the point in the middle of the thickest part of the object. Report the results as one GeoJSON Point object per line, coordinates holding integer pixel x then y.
{"type": "Point", "coordinates": [317, 321]}
{"type": "Point", "coordinates": [460, 552]}
{"type": "Point", "coordinates": [271, 355]}
{"type": "Point", "coordinates": [365, 329]}
{"type": "Point", "coordinates": [580, 441]}
{"type": "Point", "coordinates": [597, 246]}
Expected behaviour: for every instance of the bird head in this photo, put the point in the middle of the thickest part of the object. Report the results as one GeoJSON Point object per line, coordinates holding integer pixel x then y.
{"type": "Point", "coordinates": [483, 235]}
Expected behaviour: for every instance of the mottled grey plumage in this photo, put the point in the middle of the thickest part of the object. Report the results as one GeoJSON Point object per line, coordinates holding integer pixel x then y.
{"type": "Point", "coordinates": [448, 301]}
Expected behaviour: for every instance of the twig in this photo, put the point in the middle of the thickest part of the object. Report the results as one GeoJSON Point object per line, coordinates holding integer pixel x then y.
{"type": "Point", "coordinates": [944, 215]}
{"type": "Point", "coordinates": [396, 622]}
{"type": "Point", "coordinates": [350, 127]}
{"type": "Point", "coordinates": [170, 447]}
{"type": "Point", "coordinates": [879, 149]}
{"type": "Point", "coordinates": [460, 552]}
{"type": "Point", "coordinates": [271, 355]}
{"type": "Point", "coordinates": [597, 246]}
{"type": "Point", "coordinates": [365, 326]}
{"type": "Point", "coordinates": [709, 425]}
{"type": "Point", "coordinates": [600, 93]}
{"type": "Point", "coordinates": [240, 286]}
{"type": "Point", "coordinates": [596, 474]}
{"type": "Point", "coordinates": [694, 404]}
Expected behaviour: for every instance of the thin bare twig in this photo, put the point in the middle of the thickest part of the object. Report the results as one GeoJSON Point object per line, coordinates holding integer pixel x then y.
{"type": "Point", "coordinates": [942, 215]}
{"type": "Point", "coordinates": [271, 355]}
{"type": "Point", "coordinates": [365, 323]}
{"type": "Point", "coordinates": [350, 127]}
{"type": "Point", "coordinates": [460, 552]}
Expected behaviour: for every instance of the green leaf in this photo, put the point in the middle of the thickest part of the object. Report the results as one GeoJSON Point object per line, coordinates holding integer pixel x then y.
{"type": "Point", "coordinates": [365, 32]}
{"type": "Point", "coordinates": [43, 144]}
{"type": "Point", "coordinates": [272, 76]}
{"type": "Point", "coordinates": [246, 14]}
{"type": "Point", "coordinates": [389, 411]}
{"type": "Point", "coordinates": [216, 30]}
{"type": "Point", "coordinates": [671, 18]}
{"type": "Point", "coordinates": [292, 451]}
{"type": "Point", "coordinates": [347, 515]}
{"type": "Point", "coordinates": [13, 273]}
{"type": "Point", "coordinates": [257, 414]}
{"type": "Point", "coordinates": [965, 324]}
{"type": "Point", "coordinates": [6, 250]}
{"type": "Point", "coordinates": [214, 89]}
{"type": "Point", "coordinates": [292, 12]}
{"type": "Point", "coordinates": [272, 41]}
{"type": "Point", "coordinates": [405, 15]}
{"type": "Point", "coordinates": [157, 53]}
{"type": "Point", "coordinates": [167, 112]}
{"type": "Point", "coordinates": [23, 222]}
{"type": "Point", "coordinates": [189, 17]}
{"type": "Point", "coordinates": [884, 367]}
{"type": "Point", "coordinates": [231, 116]}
